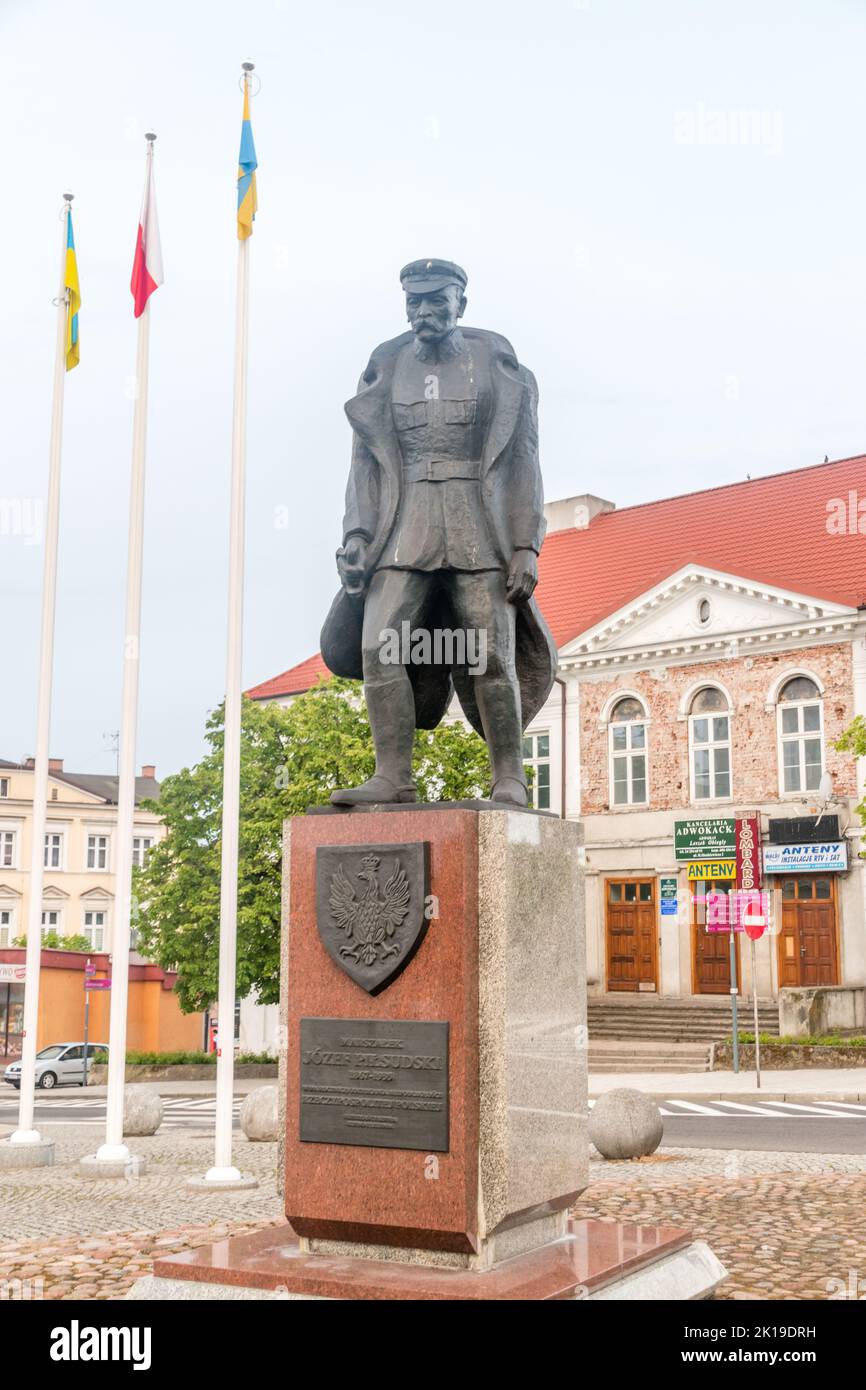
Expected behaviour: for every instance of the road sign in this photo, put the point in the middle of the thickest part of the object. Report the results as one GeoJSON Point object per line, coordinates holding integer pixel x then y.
{"type": "Point", "coordinates": [89, 967]}
{"type": "Point", "coordinates": [97, 984]}
{"type": "Point", "coordinates": [754, 927]}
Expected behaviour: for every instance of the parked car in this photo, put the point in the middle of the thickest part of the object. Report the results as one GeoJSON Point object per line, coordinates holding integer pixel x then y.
{"type": "Point", "coordinates": [61, 1064]}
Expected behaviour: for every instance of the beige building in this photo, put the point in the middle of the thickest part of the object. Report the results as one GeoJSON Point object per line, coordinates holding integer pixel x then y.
{"type": "Point", "coordinates": [80, 849]}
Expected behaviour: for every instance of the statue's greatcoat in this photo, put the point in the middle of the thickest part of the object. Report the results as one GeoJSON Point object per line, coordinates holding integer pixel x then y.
{"type": "Point", "coordinates": [512, 498]}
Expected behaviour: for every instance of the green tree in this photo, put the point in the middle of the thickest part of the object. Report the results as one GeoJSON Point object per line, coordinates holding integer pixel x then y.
{"type": "Point", "coordinates": [291, 758]}
{"type": "Point", "coordinates": [854, 741]}
{"type": "Point", "coordinates": [52, 940]}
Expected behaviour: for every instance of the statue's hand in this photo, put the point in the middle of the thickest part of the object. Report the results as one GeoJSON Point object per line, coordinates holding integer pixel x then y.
{"type": "Point", "coordinates": [522, 575]}
{"type": "Point", "coordinates": [352, 565]}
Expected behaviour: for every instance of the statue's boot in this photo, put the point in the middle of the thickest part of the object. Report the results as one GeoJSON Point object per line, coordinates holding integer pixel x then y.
{"type": "Point", "coordinates": [499, 706]}
{"type": "Point", "coordinates": [375, 789]}
{"type": "Point", "coordinates": [391, 707]}
{"type": "Point", "coordinates": [512, 790]}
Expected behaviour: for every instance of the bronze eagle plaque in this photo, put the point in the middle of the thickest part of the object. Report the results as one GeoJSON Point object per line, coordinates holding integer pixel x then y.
{"type": "Point", "coordinates": [380, 1083]}
{"type": "Point", "coordinates": [371, 908]}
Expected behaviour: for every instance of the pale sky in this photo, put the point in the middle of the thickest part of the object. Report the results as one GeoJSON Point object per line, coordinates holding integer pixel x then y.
{"type": "Point", "coordinates": [662, 205]}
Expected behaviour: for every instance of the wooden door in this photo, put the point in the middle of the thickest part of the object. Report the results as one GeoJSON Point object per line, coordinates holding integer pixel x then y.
{"type": "Point", "coordinates": [807, 941]}
{"type": "Point", "coordinates": [711, 950]}
{"type": "Point", "coordinates": [631, 935]}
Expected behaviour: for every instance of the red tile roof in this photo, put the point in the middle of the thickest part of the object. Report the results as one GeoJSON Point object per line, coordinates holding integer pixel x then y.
{"type": "Point", "coordinates": [292, 682]}
{"type": "Point", "coordinates": [769, 530]}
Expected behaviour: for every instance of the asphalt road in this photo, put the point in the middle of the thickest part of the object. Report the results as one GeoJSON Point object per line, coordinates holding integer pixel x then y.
{"type": "Point", "coordinates": [800, 1133]}
{"type": "Point", "coordinates": [820, 1127]}
{"type": "Point", "coordinates": [68, 1106]}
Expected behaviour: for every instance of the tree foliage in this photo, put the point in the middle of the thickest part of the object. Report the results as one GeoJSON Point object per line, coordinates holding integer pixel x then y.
{"type": "Point", "coordinates": [291, 758]}
{"type": "Point", "coordinates": [52, 940]}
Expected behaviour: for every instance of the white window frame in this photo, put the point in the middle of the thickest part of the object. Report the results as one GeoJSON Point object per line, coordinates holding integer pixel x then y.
{"type": "Point", "coordinates": [711, 746]}
{"type": "Point", "coordinates": [52, 926]}
{"type": "Point", "coordinates": [89, 929]}
{"type": "Point", "coordinates": [97, 868]}
{"type": "Point", "coordinates": [801, 736]}
{"type": "Point", "coordinates": [7, 928]}
{"type": "Point", "coordinates": [8, 838]}
{"type": "Point", "coordinates": [60, 850]}
{"type": "Point", "coordinates": [628, 753]}
{"type": "Point", "coordinates": [535, 762]}
{"type": "Point", "coordinates": [139, 855]}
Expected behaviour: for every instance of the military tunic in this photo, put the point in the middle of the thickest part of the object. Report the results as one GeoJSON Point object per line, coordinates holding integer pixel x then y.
{"type": "Point", "coordinates": [441, 407]}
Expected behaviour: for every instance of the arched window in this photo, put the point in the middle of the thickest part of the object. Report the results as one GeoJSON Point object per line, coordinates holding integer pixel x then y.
{"type": "Point", "coordinates": [710, 744]}
{"type": "Point", "coordinates": [628, 753]}
{"type": "Point", "coordinates": [801, 735]}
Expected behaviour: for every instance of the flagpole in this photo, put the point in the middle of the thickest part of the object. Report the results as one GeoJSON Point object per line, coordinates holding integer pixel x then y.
{"type": "Point", "coordinates": [224, 1173]}
{"type": "Point", "coordinates": [26, 1133]}
{"type": "Point", "coordinates": [114, 1151]}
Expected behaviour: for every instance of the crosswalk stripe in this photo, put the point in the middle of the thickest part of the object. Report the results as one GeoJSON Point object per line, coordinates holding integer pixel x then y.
{"type": "Point", "coordinates": [761, 1109]}
{"type": "Point", "coordinates": [846, 1105]}
{"type": "Point", "coordinates": [764, 1109]}
{"type": "Point", "coordinates": [691, 1105]}
{"type": "Point", "coordinates": [811, 1109]}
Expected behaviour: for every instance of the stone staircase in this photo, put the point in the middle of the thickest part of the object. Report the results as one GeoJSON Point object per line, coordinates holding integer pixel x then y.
{"type": "Point", "coordinates": [609, 1056]}
{"type": "Point", "coordinates": [633, 1033]}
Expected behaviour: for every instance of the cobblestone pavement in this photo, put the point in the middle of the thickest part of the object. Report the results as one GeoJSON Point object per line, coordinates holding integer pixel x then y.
{"type": "Point", "coordinates": [783, 1224]}
{"type": "Point", "coordinates": [56, 1201]}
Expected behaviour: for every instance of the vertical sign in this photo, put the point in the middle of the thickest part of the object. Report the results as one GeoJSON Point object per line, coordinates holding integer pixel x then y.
{"type": "Point", "coordinates": [668, 898]}
{"type": "Point", "coordinates": [748, 853]}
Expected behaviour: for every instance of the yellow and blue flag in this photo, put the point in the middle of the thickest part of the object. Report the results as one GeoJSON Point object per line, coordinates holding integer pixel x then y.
{"type": "Point", "coordinates": [73, 298]}
{"type": "Point", "coordinates": [247, 164]}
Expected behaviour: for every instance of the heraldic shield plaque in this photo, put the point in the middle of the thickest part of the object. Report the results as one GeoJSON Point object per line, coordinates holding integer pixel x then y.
{"type": "Point", "coordinates": [371, 903]}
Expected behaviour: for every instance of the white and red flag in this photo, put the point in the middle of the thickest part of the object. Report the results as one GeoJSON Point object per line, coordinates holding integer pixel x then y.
{"type": "Point", "coordinates": [147, 266]}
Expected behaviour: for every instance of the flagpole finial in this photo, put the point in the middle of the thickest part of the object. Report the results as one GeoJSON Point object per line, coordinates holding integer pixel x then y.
{"type": "Point", "coordinates": [67, 197]}
{"type": "Point", "coordinates": [149, 135]}
{"type": "Point", "coordinates": [248, 67]}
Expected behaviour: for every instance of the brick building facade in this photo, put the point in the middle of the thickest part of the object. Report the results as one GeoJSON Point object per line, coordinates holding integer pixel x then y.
{"type": "Point", "coordinates": [712, 648]}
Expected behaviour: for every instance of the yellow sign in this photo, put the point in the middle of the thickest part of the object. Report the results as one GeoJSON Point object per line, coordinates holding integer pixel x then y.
{"type": "Point", "coordinates": [713, 868]}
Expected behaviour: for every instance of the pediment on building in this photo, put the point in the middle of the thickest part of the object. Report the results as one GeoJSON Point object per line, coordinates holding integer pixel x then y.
{"type": "Point", "coordinates": [698, 613]}
{"type": "Point", "coordinates": [7, 892]}
{"type": "Point", "coordinates": [52, 892]}
{"type": "Point", "coordinates": [96, 895]}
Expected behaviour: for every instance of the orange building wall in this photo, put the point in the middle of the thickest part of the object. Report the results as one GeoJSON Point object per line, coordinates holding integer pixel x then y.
{"type": "Point", "coordinates": [154, 1020]}
{"type": "Point", "coordinates": [61, 1008]}
{"type": "Point", "coordinates": [156, 1023]}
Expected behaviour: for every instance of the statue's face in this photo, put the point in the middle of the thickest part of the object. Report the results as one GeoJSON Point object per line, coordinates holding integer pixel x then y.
{"type": "Point", "coordinates": [433, 316]}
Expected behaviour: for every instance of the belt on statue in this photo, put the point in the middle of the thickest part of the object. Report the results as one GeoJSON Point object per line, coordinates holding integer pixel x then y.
{"type": "Point", "coordinates": [441, 470]}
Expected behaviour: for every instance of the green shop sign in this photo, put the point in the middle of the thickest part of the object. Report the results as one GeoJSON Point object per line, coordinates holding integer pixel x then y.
{"type": "Point", "coordinates": [705, 839]}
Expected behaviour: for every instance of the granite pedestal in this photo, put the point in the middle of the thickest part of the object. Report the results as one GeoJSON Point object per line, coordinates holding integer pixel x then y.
{"type": "Point", "coordinates": [433, 1072]}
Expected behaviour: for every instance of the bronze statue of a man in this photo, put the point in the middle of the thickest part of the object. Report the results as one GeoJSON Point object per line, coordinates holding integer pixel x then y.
{"type": "Point", "coordinates": [444, 521]}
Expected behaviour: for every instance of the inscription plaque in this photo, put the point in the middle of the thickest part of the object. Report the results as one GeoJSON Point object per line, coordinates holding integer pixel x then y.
{"type": "Point", "coordinates": [379, 1084]}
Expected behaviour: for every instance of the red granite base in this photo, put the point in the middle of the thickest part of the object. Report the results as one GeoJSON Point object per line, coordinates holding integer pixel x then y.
{"type": "Point", "coordinates": [371, 1194]}
{"type": "Point", "coordinates": [596, 1253]}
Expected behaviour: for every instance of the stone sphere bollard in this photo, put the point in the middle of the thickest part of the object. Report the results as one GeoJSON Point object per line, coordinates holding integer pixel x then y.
{"type": "Point", "coordinates": [142, 1110]}
{"type": "Point", "coordinates": [625, 1123]}
{"type": "Point", "coordinates": [259, 1114]}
